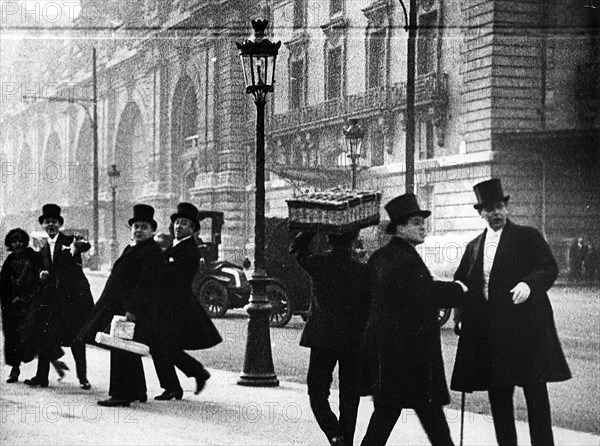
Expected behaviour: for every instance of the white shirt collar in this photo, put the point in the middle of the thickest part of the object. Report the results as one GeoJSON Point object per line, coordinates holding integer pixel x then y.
{"type": "Point", "coordinates": [177, 242]}
{"type": "Point", "coordinates": [491, 234]}
{"type": "Point", "coordinates": [52, 241]}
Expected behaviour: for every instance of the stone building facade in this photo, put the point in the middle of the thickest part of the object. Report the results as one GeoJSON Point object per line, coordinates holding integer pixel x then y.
{"type": "Point", "coordinates": [503, 88]}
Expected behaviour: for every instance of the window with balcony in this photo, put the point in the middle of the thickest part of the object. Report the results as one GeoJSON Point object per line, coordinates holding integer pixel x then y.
{"type": "Point", "coordinates": [336, 7]}
{"type": "Point", "coordinates": [297, 82]}
{"type": "Point", "coordinates": [426, 43]}
{"type": "Point", "coordinates": [299, 14]}
{"type": "Point", "coordinates": [334, 72]}
{"type": "Point", "coordinates": [425, 139]}
{"type": "Point", "coordinates": [376, 59]}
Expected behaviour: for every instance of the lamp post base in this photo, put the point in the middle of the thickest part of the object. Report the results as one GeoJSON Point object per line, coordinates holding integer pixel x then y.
{"type": "Point", "coordinates": [258, 360]}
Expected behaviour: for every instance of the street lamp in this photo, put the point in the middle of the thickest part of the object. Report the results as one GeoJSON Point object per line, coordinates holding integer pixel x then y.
{"type": "Point", "coordinates": [113, 178]}
{"type": "Point", "coordinates": [258, 55]}
{"type": "Point", "coordinates": [354, 137]}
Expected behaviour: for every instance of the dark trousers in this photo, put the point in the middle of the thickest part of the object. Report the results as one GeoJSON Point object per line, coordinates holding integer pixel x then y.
{"type": "Point", "coordinates": [48, 353]}
{"type": "Point", "coordinates": [166, 358]}
{"type": "Point", "coordinates": [384, 419]}
{"type": "Point", "coordinates": [127, 379]}
{"type": "Point", "coordinates": [538, 412]}
{"type": "Point", "coordinates": [320, 374]}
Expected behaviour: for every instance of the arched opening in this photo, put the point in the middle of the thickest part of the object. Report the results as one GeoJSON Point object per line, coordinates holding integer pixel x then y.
{"type": "Point", "coordinates": [82, 170]}
{"type": "Point", "coordinates": [131, 154]}
{"type": "Point", "coordinates": [52, 176]}
{"type": "Point", "coordinates": [184, 135]}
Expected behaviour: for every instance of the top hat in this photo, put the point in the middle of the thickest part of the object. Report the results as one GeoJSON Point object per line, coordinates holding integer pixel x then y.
{"type": "Point", "coordinates": [489, 192]}
{"type": "Point", "coordinates": [143, 212]}
{"type": "Point", "coordinates": [405, 205]}
{"type": "Point", "coordinates": [51, 211]}
{"type": "Point", "coordinates": [189, 211]}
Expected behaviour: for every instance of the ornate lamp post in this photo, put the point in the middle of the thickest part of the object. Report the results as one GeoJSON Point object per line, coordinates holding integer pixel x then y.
{"type": "Point", "coordinates": [354, 136]}
{"type": "Point", "coordinates": [258, 56]}
{"type": "Point", "coordinates": [113, 178]}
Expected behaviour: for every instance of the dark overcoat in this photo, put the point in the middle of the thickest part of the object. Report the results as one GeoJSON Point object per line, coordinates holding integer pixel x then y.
{"type": "Point", "coordinates": [503, 344]}
{"type": "Point", "coordinates": [180, 320]}
{"type": "Point", "coordinates": [402, 336]}
{"type": "Point", "coordinates": [19, 285]}
{"type": "Point", "coordinates": [132, 286]}
{"type": "Point", "coordinates": [340, 297]}
{"type": "Point", "coordinates": [67, 290]}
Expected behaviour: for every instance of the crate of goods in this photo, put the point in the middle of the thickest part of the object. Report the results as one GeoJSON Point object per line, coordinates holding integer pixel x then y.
{"type": "Point", "coordinates": [335, 211]}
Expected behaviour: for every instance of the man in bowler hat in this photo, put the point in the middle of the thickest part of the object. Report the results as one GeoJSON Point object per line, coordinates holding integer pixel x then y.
{"type": "Point", "coordinates": [402, 337]}
{"type": "Point", "coordinates": [67, 295]}
{"type": "Point", "coordinates": [180, 321]}
{"type": "Point", "coordinates": [507, 333]}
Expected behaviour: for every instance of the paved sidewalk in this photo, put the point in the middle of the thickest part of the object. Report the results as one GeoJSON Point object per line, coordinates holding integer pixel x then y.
{"type": "Point", "coordinates": [223, 414]}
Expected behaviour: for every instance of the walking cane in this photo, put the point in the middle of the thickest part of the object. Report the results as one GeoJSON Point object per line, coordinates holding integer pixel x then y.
{"type": "Point", "coordinates": [462, 418]}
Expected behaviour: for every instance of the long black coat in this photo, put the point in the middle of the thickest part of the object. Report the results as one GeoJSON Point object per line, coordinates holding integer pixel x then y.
{"type": "Point", "coordinates": [133, 286]}
{"type": "Point", "coordinates": [340, 297]}
{"type": "Point", "coordinates": [19, 285]}
{"type": "Point", "coordinates": [402, 336]}
{"type": "Point", "coordinates": [67, 290]}
{"type": "Point", "coordinates": [180, 320]}
{"type": "Point", "coordinates": [503, 344]}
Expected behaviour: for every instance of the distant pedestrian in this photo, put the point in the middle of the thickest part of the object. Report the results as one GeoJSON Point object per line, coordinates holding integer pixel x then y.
{"type": "Point", "coordinates": [577, 254]}
{"type": "Point", "coordinates": [180, 322]}
{"type": "Point", "coordinates": [19, 284]}
{"type": "Point", "coordinates": [402, 336]}
{"type": "Point", "coordinates": [336, 318]}
{"type": "Point", "coordinates": [66, 292]}
{"type": "Point", "coordinates": [508, 337]}
{"type": "Point", "coordinates": [132, 291]}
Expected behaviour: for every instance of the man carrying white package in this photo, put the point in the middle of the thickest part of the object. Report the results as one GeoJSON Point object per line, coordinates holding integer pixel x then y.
{"type": "Point", "coordinates": [131, 291]}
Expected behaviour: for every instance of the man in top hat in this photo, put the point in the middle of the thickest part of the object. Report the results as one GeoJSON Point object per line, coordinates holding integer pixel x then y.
{"type": "Point", "coordinates": [131, 290]}
{"type": "Point", "coordinates": [66, 292]}
{"type": "Point", "coordinates": [336, 319]}
{"type": "Point", "coordinates": [402, 336]}
{"type": "Point", "coordinates": [507, 333]}
{"type": "Point", "coordinates": [180, 322]}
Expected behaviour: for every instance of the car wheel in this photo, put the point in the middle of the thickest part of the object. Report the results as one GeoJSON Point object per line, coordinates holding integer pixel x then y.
{"type": "Point", "coordinates": [443, 316]}
{"type": "Point", "coordinates": [281, 313]}
{"type": "Point", "coordinates": [213, 297]}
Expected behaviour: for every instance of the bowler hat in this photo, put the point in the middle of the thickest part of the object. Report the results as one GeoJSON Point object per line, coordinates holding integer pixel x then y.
{"type": "Point", "coordinates": [401, 207]}
{"type": "Point", "coordinates": [51, 211]}
{"type": "Point", "coordinates": [143, 212]}
{"type": "Point", "coordinates": [489, 192]}
{"type": "Point", "coordinates": [189, 211]}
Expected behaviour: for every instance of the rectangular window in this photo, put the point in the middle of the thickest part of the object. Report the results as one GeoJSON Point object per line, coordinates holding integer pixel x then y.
{"type": "Point", "coordinates": [426, 43]}
{"type": "Point", "coordinates": [297, 84]}
{"type": "Point", "coordinates": [377, 148]}
{"type": "Point", "coordinates": [376, 59]}
{"type": "Point", "coordinates": [425, 135]}
{"type": "Point", "coordinates": [335, 7]}
{"type": "Point", "coordinates": [334, 73]}
{"type": "Point", "coordinates": [299, 14]}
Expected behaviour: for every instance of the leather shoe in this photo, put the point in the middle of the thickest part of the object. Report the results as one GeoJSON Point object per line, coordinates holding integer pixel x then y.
{"type": "Point", "coordinates": [35, 382]}
{"type": "Point", "coordinates": [114, 402]}
{"type": "Point", "coordinates": [85, 385]}
{"type": "Point", "coordinates": [141, 399]}
{"type": "Point", "coordinates": [61, 368]}
{"type": "Point", "coordinates": [14, 375]}
{"type": "Point", "coordinates": [12, 378]}
{"type": "Point", "coordinates": [169, 395]}
{"type": "Point", "coordinates": [201, 381]}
